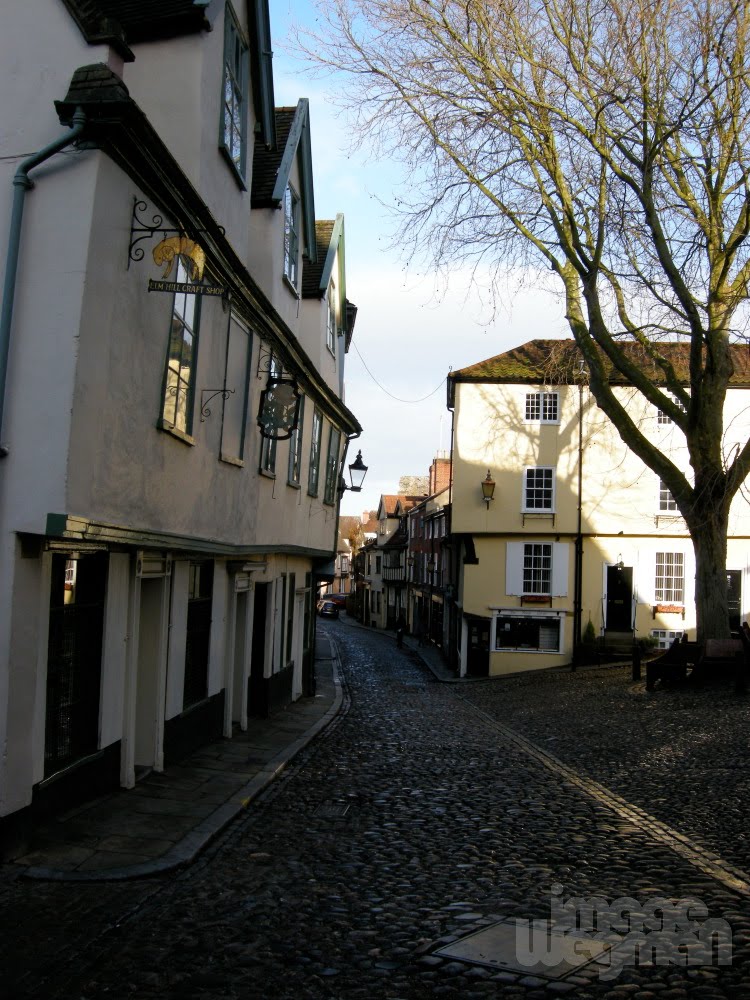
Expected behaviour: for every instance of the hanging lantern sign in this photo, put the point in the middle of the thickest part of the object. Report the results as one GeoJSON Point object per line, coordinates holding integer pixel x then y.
{"type": "Point", "coordinates": [279, 409]}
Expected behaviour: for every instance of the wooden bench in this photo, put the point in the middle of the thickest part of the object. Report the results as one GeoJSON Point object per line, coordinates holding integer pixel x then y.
{"type": "Point", "coordinates": [673, 664]}
{"type": "Point", "coordinates": [724, 658]}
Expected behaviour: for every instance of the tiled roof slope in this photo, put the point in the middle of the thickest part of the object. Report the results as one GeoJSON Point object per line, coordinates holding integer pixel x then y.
{"type": "Point", "coordinates": [266, 162]}
{"type": "Point", "coordinates": [391, 500]}
{"type": "Point", "coordinates": [313, 269]}
{"type": "Point", "coordinates": [540, 361]}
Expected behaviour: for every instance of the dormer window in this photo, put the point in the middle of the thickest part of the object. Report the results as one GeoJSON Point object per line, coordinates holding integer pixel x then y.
{"type": "Point", "coordinates": [291, 236]}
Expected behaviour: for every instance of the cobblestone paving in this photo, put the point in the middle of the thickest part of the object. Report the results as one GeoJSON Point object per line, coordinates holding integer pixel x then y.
{"type": "Point", "coordinates": [410, 822]}
{"type": "Point", "coordinates": [681, 753]}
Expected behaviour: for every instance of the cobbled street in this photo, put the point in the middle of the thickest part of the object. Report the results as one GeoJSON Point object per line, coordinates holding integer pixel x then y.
{"type": "Point", "coordinates": [414, 819]}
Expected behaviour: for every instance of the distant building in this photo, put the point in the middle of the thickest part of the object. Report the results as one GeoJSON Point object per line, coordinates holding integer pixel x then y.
{"type": "Point", "coordinates": [579, 529]}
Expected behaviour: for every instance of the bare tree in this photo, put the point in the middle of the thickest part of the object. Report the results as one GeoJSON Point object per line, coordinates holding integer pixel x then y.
{"type": "Point", "coordinates": [607, 140]}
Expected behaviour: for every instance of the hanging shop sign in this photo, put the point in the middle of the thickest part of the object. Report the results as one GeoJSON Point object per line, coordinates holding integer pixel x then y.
{"type": "Point", "coordinates": [175, 246]}
{"type": "Point", "coordinates": [278, 413]}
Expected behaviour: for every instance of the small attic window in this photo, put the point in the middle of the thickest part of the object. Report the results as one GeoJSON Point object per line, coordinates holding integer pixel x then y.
{"type": "Point", "coordinates": [291, 236]}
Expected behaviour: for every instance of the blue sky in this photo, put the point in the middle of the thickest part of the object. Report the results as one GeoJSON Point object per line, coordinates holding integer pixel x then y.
{"type": "Point", "coordinates": [409, 331]}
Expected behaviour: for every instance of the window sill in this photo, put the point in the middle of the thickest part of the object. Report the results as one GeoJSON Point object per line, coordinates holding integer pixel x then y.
{"type": "Point", "coordinates": [266, 473]}
{"type": "Point", "coordinates": [668, 609]}
{"type": "Point", "coordinates": [176, 432]}
{"type": "Point", "coordinates": [292, 485]}
{"type": "Point", "coordinates": [291, 286]}
{"type": "Point", "coordinates": [233, 168]}
{"type": "Point", "coordinates": [528, 649]}
{"type": "Point", "coordinates": [230, 460]}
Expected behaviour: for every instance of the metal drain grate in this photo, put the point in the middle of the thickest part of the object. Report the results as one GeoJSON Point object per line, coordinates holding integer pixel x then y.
{"type": "Point", "coordinates": [529, 948]}
{"type": "Point", "coordinates": [332, 810]}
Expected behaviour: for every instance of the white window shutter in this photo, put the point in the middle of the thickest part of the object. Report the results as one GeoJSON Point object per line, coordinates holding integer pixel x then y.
{"type": "Point", "coordinates": [514, 568]}
{"type": "Point", "coordinates": [560, 558]}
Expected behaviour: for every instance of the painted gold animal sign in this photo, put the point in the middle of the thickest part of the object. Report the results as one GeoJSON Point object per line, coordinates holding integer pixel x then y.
{"type": "Point", "coordinates": [192, 257]}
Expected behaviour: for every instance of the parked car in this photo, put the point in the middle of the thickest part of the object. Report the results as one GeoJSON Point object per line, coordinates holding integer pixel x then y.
{"type": "Point", "coordinates": [338, 599]}
{"type": "Point", "coordinates": [327, 609]}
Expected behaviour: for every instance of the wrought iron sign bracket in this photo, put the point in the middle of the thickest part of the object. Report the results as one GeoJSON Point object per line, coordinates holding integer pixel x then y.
{"type": "Point", "coordinates": [141, 230]}
{"type": "Point", "coordinates": [205, 411]}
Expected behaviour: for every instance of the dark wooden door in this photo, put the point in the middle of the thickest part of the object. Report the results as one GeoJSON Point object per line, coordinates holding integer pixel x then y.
{"type": "Point", "coordinates": [619, 610]}
{"type": "Point", "coordinates": [478, 649]}
{"type": "Point", "coordinates": [734, 598]}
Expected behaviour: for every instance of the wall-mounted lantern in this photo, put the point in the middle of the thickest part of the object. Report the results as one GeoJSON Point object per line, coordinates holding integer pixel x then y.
{"type": "Point", "coordinates": [357, 473]}
{"type": "Point", "coordinates": [278, 412]}
{"type": "Point", "coordinates": [488, 489]}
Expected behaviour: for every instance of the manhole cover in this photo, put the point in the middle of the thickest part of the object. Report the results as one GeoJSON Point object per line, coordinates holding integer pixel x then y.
{"type": "Point", "coordinates": [529, 947]}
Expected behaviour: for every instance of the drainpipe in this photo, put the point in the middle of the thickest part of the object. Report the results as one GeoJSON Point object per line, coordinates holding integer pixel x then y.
{"type": "Point", "coordinates": [22, 184]}
{"type": "Point", "coordinates": [578, 570]}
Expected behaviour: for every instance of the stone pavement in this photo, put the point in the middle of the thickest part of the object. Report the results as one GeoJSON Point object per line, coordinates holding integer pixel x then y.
{"type": "Point", "coordinates": [169, 817]}
{"type": "Point", "coordinates": [425, 819]}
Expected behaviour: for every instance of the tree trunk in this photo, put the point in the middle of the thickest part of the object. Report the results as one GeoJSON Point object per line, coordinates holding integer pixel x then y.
{"type": "Point", "coordinates": [708, 529]}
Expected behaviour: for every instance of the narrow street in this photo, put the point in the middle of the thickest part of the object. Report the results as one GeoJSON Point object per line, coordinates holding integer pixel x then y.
{"type": "Point", "coordinates": [413, 820]}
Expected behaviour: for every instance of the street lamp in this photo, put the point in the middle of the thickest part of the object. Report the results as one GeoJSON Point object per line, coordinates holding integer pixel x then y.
{"type": "Point", "coordinates": [357, 473]}
{"type": "Point", "coordinates": [488, 489]}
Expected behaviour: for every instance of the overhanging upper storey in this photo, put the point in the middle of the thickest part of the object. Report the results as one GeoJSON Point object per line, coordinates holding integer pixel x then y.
{"type": "Point", "coordinates": [121, 23]}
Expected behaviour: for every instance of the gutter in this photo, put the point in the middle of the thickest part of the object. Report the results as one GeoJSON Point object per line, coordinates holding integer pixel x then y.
{"type": "Point", "coordinates": [22, 184]}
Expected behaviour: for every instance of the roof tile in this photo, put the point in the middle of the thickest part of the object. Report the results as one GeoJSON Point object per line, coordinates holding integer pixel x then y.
{"type": "Point", "coordinates": [551, 361]}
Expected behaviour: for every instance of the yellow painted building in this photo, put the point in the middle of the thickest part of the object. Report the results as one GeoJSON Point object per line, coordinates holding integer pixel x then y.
{"type": "Point", "coordinates": [579, 529]}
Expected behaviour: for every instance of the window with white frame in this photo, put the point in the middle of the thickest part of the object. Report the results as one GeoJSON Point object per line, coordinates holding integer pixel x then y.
{"type": "Point", "coordinates": [332, 325]}
{"type": "Point", "coordinates": [539, 490]}
{"type": "Point", "coordinates": [537, 569]}
{"type": "Point", "coordinates": [670, 578]}
{"type": "Point", "coordinates": [665, 637]}
{"type": "Point", "coordinates": [534, 632]}
{"type": "Point", "coordinates": [667, 502]}
{"type": "Point", "coordinates": [234, 109]}
{"type": "Point", "coordinates": [295, 446]}
{"type": "Point", "coordinates": [179, 380]}
{"type": "Point", "coordinates": [291, 236]}
{"type": "Point", "coordinates": [542, 408]}
{"type": "Point", "coordinates": [664, 418]}
{"type": "Point", "coordinates": [313, 474]}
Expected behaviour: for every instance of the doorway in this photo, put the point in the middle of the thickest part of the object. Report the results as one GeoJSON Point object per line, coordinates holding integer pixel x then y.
{"type": "Point", "coordinates": [74, 658]}
{"type": "Point", "coordinates": [478, 648]}
{"type": "Point", "coordinates": [619, 605]}
{"type": "Point", "coordinates": [257, 695]}
{"type": "Point", "coordinates": [734, 598]}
